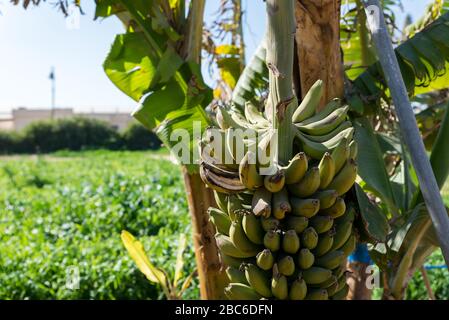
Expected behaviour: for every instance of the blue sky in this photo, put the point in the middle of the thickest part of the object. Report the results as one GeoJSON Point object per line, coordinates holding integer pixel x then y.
{"type": "Point", "coordinates": [33, 41]}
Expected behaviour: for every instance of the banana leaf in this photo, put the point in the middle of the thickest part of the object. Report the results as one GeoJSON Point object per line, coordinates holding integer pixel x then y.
{"type": "Point", "coordinates": [254, 77]}
{"type": "Point", "coordinates": [145, 65]}
{"type": "Point", "coordinates": [423, 60]}
{"type": "Point", "coordinates": [372, 169]}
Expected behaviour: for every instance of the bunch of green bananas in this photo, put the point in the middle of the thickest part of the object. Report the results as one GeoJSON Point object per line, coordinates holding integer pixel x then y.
{"type": "Point", "coordinates": [286, 235]}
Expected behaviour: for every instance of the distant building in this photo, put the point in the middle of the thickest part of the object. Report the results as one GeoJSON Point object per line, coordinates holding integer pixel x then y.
{"type": "Point", "coordinates": [21, 117]}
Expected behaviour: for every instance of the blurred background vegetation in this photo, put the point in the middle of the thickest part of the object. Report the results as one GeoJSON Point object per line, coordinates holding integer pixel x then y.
{"type": "Point", "coordinates": [76, 134]}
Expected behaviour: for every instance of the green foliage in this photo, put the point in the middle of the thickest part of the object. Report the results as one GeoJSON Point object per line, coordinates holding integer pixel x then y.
{"type": "Point", "coordinates": [422, 59]}
{"type": "Point", "coordinates": [254, 78]}
{"type": "Point", "coordinates": [76, 134]}
{"type": "Point", "coordinates": [438, 279]}
{"type": "Point", "coordinates": [74, 219]}
{"type": "Point", "coordinates": [10, 142]}
{"type": "Point", "coordinates": [72, 134]}
{"type": "Point", "coordinates": [147, 64]}
{"type": "Point", "coordinates": [137, 137]}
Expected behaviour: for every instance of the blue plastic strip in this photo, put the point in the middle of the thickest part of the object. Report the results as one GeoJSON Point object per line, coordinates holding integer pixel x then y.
{"type": "Point", "coordinates": [435, 267]}
{"type": "Point", "coordinates": [361, 254]}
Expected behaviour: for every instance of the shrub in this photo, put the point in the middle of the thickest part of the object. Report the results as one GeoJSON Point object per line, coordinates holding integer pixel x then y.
{"type": "Point", "coordinates": [137, 137]}
{"type": "Point", "coordinates": [72, 134]}
{"type": "Point", "coordinates": [76, 134]}
{"type": "Point", "coordinates": [8, 142]}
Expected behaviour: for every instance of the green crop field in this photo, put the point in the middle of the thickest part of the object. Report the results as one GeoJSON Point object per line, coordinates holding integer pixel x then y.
{"type": "Point", "coordinates": [67, 210]}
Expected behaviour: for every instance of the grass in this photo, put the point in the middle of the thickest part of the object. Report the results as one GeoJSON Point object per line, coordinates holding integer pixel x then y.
{"type": "Point", "coordinates": [67, 210]}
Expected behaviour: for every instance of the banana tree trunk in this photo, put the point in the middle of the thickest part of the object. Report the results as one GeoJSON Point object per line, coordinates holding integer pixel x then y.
{"type": "Point", "coordinates": [211, 275]}
{"type": "Point", "coordinates": [318, 46]}
{"type": "Point", "coordinates": [318, 56]}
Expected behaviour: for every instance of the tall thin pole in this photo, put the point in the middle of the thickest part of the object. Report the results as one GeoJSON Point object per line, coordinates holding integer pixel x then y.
{"type": "Point", "coordinates": [53, 91]}
{"type": "Point", "coordinates": [407, 124]}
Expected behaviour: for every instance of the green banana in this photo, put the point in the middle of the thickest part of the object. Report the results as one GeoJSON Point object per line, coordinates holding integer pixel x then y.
{"type": "Point", "coordinates": [224, 181]}
{"type": "Point", "coordinates": [274, 183]}
{"type": "Point", "coordinates": [353, 149]}
{"type": "Point", "coordinates": [226, 246]}
{"type": "Point", "coordinates": [234, 206]}
{"type": "Point", "coordinates": [316, 275]}
{"type": "Point", "coordinates": [341, 293]}
{"type": "Point", "coordinates": [332, 289]}
{"type": "Point", "coordinates": [310, 103]}
{"type": "Point", "coordinates": [321, 224]}
{"type": "Point", "coordinates": [299, 224]}
{"type": "Point", "coordinates": [290, 242]}
{"type": "Point", "coordinates": [264, 148]}
{"type": "Point", "coordinates": [340, 154]}
{"type": "Point", "coordinates": [345, 179]}
{"type": "Point", "coordinates": [330, 260]}
{"type": "Point", "coordinates": [253, 115]}
{"type": "Point", "coordinates": [249, 176]}
{"type": "Point", "coordinates": [286, 266]}
{"type": "Point", "coordinates": [305, 258]}
{"type": "Point", "coordinates": [327, 170]}
{"type": "Point", "coordinates": [261, 203]}
{"type": "Point", "coordinates": [317, 294]}
{"type": "Point", "coordinates": [327, 198]}
{"type": "Point", "coordinates": [318, 127]}
{"type": "Point", "coordinates": [308, 185]}
{"type": "Point", "coordinates": [296, 169]}
{"type": "Point", "coordinates": [309, 238]}
{"type": "Point", "coordinates": [265, 259]}
{"type": "Point", "coordinates": [329, 282]}
{"type": "Point", "coordinates": [272, 240]}
{"type": "Point", "coordinates": [342, 234]}
{"type": "Point", "coordinates": [337, 210]}
{"type": "Point", "coordinates": [220, 220]}
{"type": "Point", "coordinates": [246, 198]}
{"type": "Point", "coordinates": [305, 207]}
{"type": "Point", "coordinates": [279, 286]}
{"type": "Point", "coordinates": [281, 205]}
{"type": "Point", "coordinates": [330, 107]}
{"type": "Point", "coordinates": [253, 228]}
{"type": "Point", "coordinates": [239, 239]}
{"type": "Point", "coordinates": [258, 280]}
{"type": "Point", "coordinates": [345, 129]}
{"type": "Point", "coordinates": [316, 150]}
{"type": "Point", "coordinates": [232, 140]}
{"type": "Point", "coordinates": [324, 243]}
{"type": "Point", "coordinates": [298, 290]}
{"type": "Point", "coordinates": [269, 223]}
{"type": "Point", "coordinates": [239, 291]}
{"type": "Point", "coordinates": [349, 245]}
{"type": "Point", "coordinates": [236, 275]}
{"type": "Point", "coordinates": [339, 271]}
{"type": "Point", "coordinates": [231, 261]}
{"type": "Point", "coordinates": [342, 279]}
{"type": "Point", "coordinates": [348, 216]}
{"type": "Point", "coordinates": [221, 199]}
{"type": "Point", "coordinates": [241, 120]}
